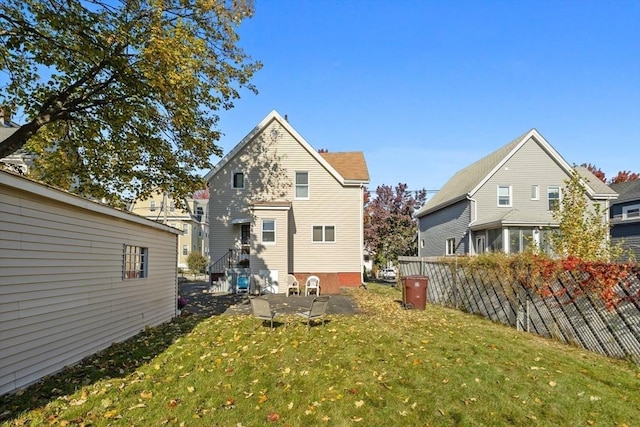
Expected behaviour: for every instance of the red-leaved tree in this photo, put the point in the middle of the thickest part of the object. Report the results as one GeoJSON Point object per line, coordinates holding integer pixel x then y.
{"type": "Point", "coordinates": [390, 228]}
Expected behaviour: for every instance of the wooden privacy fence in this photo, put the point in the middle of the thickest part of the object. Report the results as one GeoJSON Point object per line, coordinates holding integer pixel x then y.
{"type": "Point", "coordinates": [583, 321]}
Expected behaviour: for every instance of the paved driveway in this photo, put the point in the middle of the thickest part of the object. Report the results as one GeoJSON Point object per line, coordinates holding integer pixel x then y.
{"type": "Point", "coordinates": [200, 302]}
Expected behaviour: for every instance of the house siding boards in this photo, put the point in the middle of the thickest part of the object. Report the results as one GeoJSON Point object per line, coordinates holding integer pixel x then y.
{"type": "Point", "coordinates": [528, 166]}
{"type": "Point", "coordinates": [626, 231]}
{"type": "Point", "coordinates": [448, 223]}
{"type": "Point", "coordinates": [267, 256]}
{"type": "Point", "coordinates": [62, 296]}
{"type": "Point", "coordinates": [269, 157]}
{"type": "Point", "coordinates": [526, 161]}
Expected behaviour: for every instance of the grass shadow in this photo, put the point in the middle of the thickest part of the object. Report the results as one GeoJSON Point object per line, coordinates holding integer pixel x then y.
{"type": "Point", "coordinates": [117, 361]}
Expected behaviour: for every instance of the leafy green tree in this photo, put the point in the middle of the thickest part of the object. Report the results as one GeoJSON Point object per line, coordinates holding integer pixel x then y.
{"type": "Point", "coordinates": [390, 229]}
{"type": "Point", "coordinates": [583, 231]}
{"type": "Point", "coordinates": [121, 96]}
{"type": "Point", "coordinates": [196, 262]}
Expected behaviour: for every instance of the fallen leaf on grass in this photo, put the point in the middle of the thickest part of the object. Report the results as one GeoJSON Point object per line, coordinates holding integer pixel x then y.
{"type": "Point", "coordinates": [359, 403]}
{"type": "Point", "coordinates": [111, 414]}
{"type": "Point", "coordinates": [553, 383]}
{"type": "Point", "coordinates": [263, 398]}
{"type": "Point", "coordinates": [273, 417]}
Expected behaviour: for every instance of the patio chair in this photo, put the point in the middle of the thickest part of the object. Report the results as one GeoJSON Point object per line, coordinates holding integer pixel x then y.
{"type": "Point", "coordinates": [293, 286]}
{"type": "Point", "coordinates": [242, 284]}
{"type": "Point", "coordinates": [316, 311]}
{"type": "Point", "coordinates": [262, 310]}
{"type": "Point", "coordinates": [312, 285]}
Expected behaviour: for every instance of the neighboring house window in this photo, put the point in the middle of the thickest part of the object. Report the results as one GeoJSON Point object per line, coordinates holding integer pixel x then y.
{"type": "Point", "coordinates": [451, 247]}
{"type": "Point", "coordinates": [199, 213]}
{"type": "Point", "coordinates": [185, 250]}
{"type": "Point", "coordinates": [152, 208]}
{"type": "Point", "coordinates": [268, 231]}
{"type": "Point", "coordinates": [495, 240]}
{"type": "Point", "coordinates": [172, 206]}
{"type": "Point", "coordinates": [302, 185]}
{"type": "Point", "coordinates": [519, 239]}
{"type": "Point", "coordinates": [199, 232]}
{"type": "Point", "coordinates": [504, 195]}
{"type": "Point", "coordinates": [535, 192]}
{"type": "Point", "coordinates": [422, 243]}
{"type": "Point", "coordinates": [238, 180]}
{"type": "Point", "coordinates": [134, 262]}
{"type": "Point", "coordinates": [185, 229]}
{"type": "Point", "coordinates": [553, 195]}
{"type": "Point", "coordinates": [630, 212]}
{"type": "Point", "coordinates": [324, 233]}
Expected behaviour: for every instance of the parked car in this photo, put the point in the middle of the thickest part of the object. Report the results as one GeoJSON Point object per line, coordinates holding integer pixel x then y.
{"type": "Point", "coordinates": [389, 274]}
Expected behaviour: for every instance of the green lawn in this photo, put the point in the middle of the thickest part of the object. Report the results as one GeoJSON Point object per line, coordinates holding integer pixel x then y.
{"type": "Point", "coordinates": [384, 367]}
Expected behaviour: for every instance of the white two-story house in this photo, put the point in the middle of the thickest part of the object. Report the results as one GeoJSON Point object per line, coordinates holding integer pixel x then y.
{"type": "Point", "coordinates": [277, 206]}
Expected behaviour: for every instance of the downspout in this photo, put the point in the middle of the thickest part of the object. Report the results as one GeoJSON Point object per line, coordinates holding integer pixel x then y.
{"type": "Point", "coordinates": [474, 218]}
{"type": "Point", "coordinates": [362, 283]}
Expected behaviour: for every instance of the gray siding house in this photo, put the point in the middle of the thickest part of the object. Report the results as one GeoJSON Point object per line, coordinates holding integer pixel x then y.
{"type": "Point", "coordinates": [503, 201]}
{"type": "Point", "coordinates": [625, 216]}
{"type": "Point", "coordinates": [75, 277]}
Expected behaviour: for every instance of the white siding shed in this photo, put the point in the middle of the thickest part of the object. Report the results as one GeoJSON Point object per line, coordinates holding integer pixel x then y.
{"type": "Point", "coordinates": [64, 291]}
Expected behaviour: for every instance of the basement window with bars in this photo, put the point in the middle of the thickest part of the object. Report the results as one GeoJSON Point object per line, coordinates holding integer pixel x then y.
{"type": "Point", "coordinates": [134, 262]}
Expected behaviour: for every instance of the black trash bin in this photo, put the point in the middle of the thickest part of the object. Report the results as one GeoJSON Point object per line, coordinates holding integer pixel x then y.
{"type": "Point", "coordinates": [415, 291]}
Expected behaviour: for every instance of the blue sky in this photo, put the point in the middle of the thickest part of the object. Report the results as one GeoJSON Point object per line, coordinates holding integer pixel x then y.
{"type": "Point", "coordinates": [425, 88]}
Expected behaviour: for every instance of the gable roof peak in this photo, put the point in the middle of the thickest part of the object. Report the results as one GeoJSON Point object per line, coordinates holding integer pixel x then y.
{"type": "Point", "coordinates": [360, 176]}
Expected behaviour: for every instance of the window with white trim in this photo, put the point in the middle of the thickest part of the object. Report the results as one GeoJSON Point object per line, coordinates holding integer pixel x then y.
{"type": "Point", "coordinates": [238, 180]}
{"type": "Point", "coordinates": [134, 262]}
{"type": "Point", "coordinates": [504, 195]}
{"type": "Point", "coordinates": [630, 212]}
{"type": "Point", "coordinates": [535, 192]}
{"type": "Point", "coordinates": [302, 185]}
{"type": "Point", "coordinates": [269, 231]}
{"type": "Point", "coordinates": [450, 248]}
{"type": "Point", "coordinates": [324, 234]}
{"type": "Point", "coordinates": [185, 229]}
{"type": "Point", "coordinates": [152, 206]}
{"type": "Point", "coordinates": [553, 196]}
{"type": "Point", "coordinates": [185, 249]}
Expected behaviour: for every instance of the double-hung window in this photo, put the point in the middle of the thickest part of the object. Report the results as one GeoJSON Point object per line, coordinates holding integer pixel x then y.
{"type": "Point", "coordinates": [450, 248]}
{"type": "Point", "coordinates": [269, 231]}
{"type": "Point", "coordinates": [302, 185]}
{"type": "Point", "coordinates": [152, 207]}
{"type": "Point", "coordinates": [630, 212]}
{"type": "Point", "coordinates": [134, 262]}
{"type": "Point", "coordinates": [324, 233]}
{"type": "Point", "coordinates": [238, 180]}
{"type": "Point", "coordinates": [504, 195]}
{"type": "Point", "coordinates": [553, 195]}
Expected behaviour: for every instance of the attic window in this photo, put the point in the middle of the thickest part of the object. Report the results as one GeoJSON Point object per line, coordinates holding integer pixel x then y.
{"type": "Point", "coordinates": [238, 180]}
